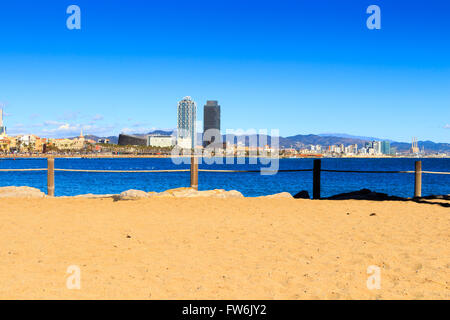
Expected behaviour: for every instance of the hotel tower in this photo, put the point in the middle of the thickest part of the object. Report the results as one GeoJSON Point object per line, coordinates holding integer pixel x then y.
{"type": "Point", "coordinates": [2, 128]}
{"type": "Point", "coordinates": [187, 117]}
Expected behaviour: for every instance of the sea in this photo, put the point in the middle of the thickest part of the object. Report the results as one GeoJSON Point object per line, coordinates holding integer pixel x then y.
{"type": "Point", "coordinates": [249, 184]}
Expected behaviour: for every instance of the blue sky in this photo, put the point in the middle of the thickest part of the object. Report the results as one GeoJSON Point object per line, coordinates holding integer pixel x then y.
{"type": "Point", "coordinates": [298, 66]}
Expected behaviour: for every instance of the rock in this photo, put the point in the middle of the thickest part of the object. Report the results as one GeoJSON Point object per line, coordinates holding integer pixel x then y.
{"type": "Point", "coordinates": [133, 194]}
{"type": "Point", "coordinates": [363, 194]}
{"type": "Point", "coordinates": [178, 192]}
{"type": "Point", "coordinates": [21, 192]}
{"type": "Point", "coordinates": [92, 196]}
{"type": "Point", "coordinates": [302, 195]}
{"type": "Point", "coordinates": [282, 195]}
{"type": "Point", "coordinates": [233, 194]}
{"type": "Point", "coordinates": [192, 193]}
{"type": "Point", "coordinates": [220, 193]}
{"type": "Point", "coordinates": [207, 193]}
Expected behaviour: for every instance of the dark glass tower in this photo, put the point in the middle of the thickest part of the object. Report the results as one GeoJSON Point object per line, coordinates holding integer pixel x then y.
{"type": "Point", "coordinates": [211, 123]}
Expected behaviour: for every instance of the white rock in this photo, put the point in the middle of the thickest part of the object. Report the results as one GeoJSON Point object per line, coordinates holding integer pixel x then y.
{"type": "Point", "coordinates": [233, 194]}
{"type": "Point", "coordinates": [178, 192]}
{"type": "Point", "coordinates": [282, 195]}
{"type": "Point", "coordinates": [92, 196]}
{"type": "Point", "coordinates": [133, 194]}
{"type": "Point", "coordinates": [21, 192]}
{"type": "Point", "coordinates": [192, 193]}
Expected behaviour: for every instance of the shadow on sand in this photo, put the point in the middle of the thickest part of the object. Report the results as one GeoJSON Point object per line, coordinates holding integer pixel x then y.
{"type": "Point", "coordinates": [366, 194]}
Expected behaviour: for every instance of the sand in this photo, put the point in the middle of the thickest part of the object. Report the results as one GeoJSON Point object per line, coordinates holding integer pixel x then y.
{"type": "Point", "coordinates": [223, 249]}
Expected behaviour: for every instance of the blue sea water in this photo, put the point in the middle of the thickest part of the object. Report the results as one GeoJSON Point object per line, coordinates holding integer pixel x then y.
{"type": "Point", "coordinates": [250, 184]}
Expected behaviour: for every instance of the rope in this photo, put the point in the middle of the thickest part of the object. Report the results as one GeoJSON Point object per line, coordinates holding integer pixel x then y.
{"type": "Point", "coordinates": [431, 172]}
{"type": "Point", "coordinates": [256, 171]}
{"type": "Point", "coordinates": [355, 171]}
{"type": "Point", "coordinates": [21, 170]}
{"type": "Point", "coordinates": [123, 171]}
{"type": "Point", "coordinates": [180, 170]}
{"type": "Point", "coordinates": [208, 170]}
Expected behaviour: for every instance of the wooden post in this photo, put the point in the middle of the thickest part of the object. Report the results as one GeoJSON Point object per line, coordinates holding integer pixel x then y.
{"type": "Point", "coordinates": [194, 172]}
{"type": "Point", "coordinates": [418, 180]}
{"type": "Point", "coordinates": [51, 177]}
{"type": "Point", "coordinates": [316, 178]}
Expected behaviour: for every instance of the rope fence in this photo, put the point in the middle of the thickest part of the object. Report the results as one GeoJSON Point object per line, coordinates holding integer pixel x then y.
{"type": "Point", "coordinates": [123, 171]}
{"type": "Point", "coordinates": [21, 170]}
{"type": "Point", "coordinates": [254, 171]}
{"type": "Point", "coordinates": [194, 174]}
{"type": "Point", "coordinates": [358, 171]}
{"type": "Point", "coordinates": [431, 172]}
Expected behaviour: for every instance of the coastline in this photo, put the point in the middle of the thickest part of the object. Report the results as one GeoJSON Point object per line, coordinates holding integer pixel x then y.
{"type": "Point", "coordinates": [111, 156]}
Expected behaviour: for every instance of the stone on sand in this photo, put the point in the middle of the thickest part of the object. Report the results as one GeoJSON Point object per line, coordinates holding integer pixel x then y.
{"type": "Point", "coordinates": [281, 195]}
{"type": "Point", "coordinates": [192, 193]}
{"type": "Point", "coordinates": [134, 194]}
{"type": "Point", "coordinates": [91, 196]}
{"type": "Point", "coordinates": [21, 192]}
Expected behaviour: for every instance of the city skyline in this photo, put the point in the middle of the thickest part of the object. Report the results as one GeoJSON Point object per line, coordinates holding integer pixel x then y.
{"type": "Point", "coordinates": [314, 68]}
{"type": "Point", "coordinates": [199, 131]}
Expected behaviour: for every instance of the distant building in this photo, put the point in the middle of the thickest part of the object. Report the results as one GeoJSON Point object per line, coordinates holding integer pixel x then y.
{"type": "Point", "coordinates": [187, 117]}
{"type": "Point", "coordinates": [351, 149]}
{"type": "Point", "coordinates": [160, 141]}
{"type": "Point", "coordinates": [415, 146]}
{"type": "Point", "coordinates": [2, 128]}
{"type": "Point", "coordinates": [385, 147]}
{"type": "Point", "coordinates": [211, 123]}
{"type": "Point", "coordinates": [27, 139]}
{"type": "Point", "coordinates": [376, 147]}
{"type": "Point", "coordinates": [130, 140]}
{"type": "Point", "coordinates": [104, 141]}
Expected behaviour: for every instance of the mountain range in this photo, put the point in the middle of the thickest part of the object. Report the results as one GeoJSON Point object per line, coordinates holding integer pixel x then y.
{"type": "Point", "coordinates": [324, 139]}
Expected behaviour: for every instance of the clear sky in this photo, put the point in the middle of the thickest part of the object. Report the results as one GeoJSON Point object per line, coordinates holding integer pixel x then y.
{"type": "Point", "coordinates": [298, 66]}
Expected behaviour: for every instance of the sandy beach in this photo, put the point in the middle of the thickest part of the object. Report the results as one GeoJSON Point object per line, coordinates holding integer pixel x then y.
{"type": "Point", "coordinates": [202, 248]}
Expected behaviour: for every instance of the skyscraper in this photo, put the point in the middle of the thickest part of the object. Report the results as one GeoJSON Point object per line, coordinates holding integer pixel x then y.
{"type": "Point", "coordinates": [211, 123]}
{"type": "Point", "coordinates": [187, 117]}
{"type": "Point", "coordinates": [376, 147]}
{"type": "Point", "coordinates": [385, 147]}
{"type": "Point", "coordinates": [2, 128]}
{"type": "Point", "coordinates": [415, 146]}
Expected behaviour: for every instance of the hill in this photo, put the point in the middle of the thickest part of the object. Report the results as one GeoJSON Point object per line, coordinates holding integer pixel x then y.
{"type": "Point", "coordinates": [300, 141]}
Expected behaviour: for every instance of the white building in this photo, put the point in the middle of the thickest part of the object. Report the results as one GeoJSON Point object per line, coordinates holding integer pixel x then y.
{"type": "Point", "coordinates": [161, 141]}
{"type": "Point", "coordinates": [377, 147]}
{"type": "Point", "coordinates": [27, 139]}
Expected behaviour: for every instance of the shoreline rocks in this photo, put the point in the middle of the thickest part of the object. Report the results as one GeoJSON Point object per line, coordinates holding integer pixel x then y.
{"type": "Point", "coordinates": [281, 195]}
{"type": "Point", "coordinates": [21, 192]}
{"type": "Point", "coordinates": [192, 193]}
{"type": "Point", "coordinates": [132, 194]}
